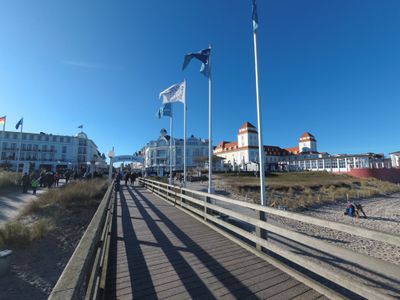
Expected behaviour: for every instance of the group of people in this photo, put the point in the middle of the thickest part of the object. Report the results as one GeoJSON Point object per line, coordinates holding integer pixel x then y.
{"type": "Point", "coordinates": [131, 177]}
{"type": "Point", "coordinates": [354, 209]}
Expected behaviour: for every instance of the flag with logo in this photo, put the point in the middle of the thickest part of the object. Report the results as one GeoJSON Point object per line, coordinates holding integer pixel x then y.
{"type": "Point", "coordinates": [164, 111]}
{"type": "Point", "coordinates": [175, 93]}
{"type": "Point", "coordinates": [255, 16]}
{"type": "Point", "coordinates": [20, 123]}
{"type": "Point", "coordinates": [204, 57]}
{"type": "Point", "coordinates": [3, 120]}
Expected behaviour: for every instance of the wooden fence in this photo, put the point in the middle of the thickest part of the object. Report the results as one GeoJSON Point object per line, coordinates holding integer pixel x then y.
{"type": "Point", "coordinates": [204, 207]}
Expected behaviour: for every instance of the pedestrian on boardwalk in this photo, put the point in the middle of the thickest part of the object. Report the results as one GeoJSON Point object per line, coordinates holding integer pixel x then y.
{"type": "Point", "coordinates": [34, 184]}
{"type": "Point", "coordinates": [133, 178]}
{"type": "Point", "coordinates": [25, 183]}
{"type": "Point", "coordinates": [126, 178]}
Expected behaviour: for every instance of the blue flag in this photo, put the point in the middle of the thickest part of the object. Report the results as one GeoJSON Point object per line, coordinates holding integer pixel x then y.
{"type": "Point", "coordinates": [20, 123]}
{"type": "Point", "coordinates": [255, 16]}
{"type": "Point", "coordinates": [203, 56]}
{"type": "Point", "coordinates": [164, 111]}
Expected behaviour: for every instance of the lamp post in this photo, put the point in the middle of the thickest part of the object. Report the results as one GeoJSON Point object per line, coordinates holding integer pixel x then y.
{"type": "Point", "coordinates": [111, 155]}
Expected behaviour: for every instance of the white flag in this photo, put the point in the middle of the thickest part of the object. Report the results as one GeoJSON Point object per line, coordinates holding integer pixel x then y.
{"type": "Point", "coordinates": [175, 93]}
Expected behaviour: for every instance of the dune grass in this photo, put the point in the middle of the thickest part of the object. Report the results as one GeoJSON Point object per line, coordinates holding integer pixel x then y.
{"type": "Point", "coordinates": [304, 189]}
{"type": "Point", "coordinates": [9, 179]}
{"type": "Point", "coordinates": [43, 215]}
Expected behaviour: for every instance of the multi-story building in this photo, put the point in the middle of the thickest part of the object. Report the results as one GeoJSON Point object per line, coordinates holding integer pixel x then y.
{"type": "Point", "coordinates": [157, 153]}
{"type": "Point", "coordinates": [395, 159]}
{"type": "Point", "coordinates": [244, 154]}
{"type": "Point", "coordinates": [48, 151]}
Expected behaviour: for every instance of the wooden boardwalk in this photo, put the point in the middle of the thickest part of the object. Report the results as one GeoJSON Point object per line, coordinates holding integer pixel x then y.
{"type": "Point", "coordinates": [158, 252]}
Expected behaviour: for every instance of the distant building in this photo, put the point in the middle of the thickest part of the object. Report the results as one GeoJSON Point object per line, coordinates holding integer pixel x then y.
{"type": "Point", "coordinates": [243, 155]}
{"type": "Point", "coordinates": [48, 151]}
{"type": "Point", "coordinates": [395, 159]}
{"type": "Point", "coordinates": [157, 154]}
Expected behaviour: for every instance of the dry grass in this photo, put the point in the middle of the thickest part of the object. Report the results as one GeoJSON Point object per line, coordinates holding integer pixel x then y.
{"type": "Point", "coordinates": [18, 234]}
{"type": "Point", "coordinates": [9, 179]}
{"type": "Point", "coordinates": [42, 215]}
{"type": "Point", "coordinates": [305, 189]}
{"type": "Point", "coordinates": [71, 197]}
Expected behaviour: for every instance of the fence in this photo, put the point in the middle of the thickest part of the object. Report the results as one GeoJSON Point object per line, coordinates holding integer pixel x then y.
{"type": "Point", "coordinates": [85, 274]}
{"type": "Point", "coordinates": [199, 205]}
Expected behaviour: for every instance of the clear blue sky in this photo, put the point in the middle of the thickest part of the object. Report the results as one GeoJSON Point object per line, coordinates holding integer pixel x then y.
{"type": "Point", "coordinates": [328, 67]}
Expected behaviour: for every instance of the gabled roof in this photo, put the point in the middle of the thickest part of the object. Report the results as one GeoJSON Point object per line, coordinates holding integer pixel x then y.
{"type": "Point", "coordinates": [247, 125]}
{"type": "Point", "coordinates": [307, 134]}
{"type": "Point", "coordinates": [293, 150]}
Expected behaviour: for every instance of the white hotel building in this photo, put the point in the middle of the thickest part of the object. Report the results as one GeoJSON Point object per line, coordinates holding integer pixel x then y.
{"type": "Point", "coordinates": [244, 154]}
{"type": "Point", "coordinates": [157, 154]}
{"type": "Point", "coordinates": [48, 151]}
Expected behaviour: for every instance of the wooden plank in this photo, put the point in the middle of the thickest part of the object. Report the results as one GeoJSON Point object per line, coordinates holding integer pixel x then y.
{"type": "Point", "coordinates": [180, 256]}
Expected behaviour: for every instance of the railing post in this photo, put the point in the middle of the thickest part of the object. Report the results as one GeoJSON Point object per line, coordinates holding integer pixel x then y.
{"type": "Point", "coordinates": [262, 233]}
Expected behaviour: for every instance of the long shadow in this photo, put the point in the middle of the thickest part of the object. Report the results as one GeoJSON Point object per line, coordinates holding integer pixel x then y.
{"type": "Point", "coordinates": [133, 252]}
{"type": "Point", "coordinates": [208, 261]}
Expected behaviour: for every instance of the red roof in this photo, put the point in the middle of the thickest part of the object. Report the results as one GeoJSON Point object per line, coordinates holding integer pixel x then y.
{"type": "Point", "coordinates": [307, 134]}
{"type": "Point", "coordinates": [247, 125]}
{"type": "Point", "coordinates": [293, 150]}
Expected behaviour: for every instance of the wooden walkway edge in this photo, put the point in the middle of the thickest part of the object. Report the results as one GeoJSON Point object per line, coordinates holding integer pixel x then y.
{"type": "Point", "coordinates": [158, 252]}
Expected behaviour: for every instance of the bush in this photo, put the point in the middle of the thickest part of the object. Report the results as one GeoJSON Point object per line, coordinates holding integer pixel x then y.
{"type": "Point", "coordinates": [72, 196]}
{"type": "Point", "coordinates": [9, 179]}
{"type": "Point", "coordinates": [18, 234]}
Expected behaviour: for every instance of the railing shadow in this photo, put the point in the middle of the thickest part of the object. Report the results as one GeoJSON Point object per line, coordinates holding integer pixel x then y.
{"type": "Point", "coordinates": [175, 257]}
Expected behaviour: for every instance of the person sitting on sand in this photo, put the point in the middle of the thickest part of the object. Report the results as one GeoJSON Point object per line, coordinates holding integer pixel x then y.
{"type": "Point", "coordinates": [353, 209]}
{"type": "Point", "coordinates": [359, 209]}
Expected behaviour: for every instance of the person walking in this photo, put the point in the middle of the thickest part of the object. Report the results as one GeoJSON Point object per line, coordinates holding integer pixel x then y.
{"type": "Point", "coordinates": [25, 183]}
{"type": "Point", "coordinates": [133, 178]}
{"type": "Point", "coordinates": [67, 176]}
{"type": "Point", "coordinates": [34, 184]}
{"type": "Point", "coordinates": [126, 177]}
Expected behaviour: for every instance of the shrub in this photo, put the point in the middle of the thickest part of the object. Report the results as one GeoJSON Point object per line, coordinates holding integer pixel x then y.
{"type": "Point", "coordinates": [9, 179]}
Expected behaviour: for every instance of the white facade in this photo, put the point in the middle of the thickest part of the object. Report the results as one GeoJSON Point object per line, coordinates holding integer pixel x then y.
{"type": "Point", "coordinates": [335, 164]}
{"type": "Point", "coordinates": [157, 154]}
{"type": "Point", "coordinates": [395, 159]}
{"type": "Point", "coordinates": [48, 151]}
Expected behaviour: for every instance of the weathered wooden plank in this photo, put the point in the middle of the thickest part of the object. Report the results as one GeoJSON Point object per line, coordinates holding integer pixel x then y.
{"type": "Point", "coordinates": [158, 252]}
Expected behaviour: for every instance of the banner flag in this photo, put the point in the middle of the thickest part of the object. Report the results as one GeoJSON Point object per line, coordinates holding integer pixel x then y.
{"type": "Point", "coordinates": [175, 93]}
{"type": "Point", "coordinates": [203, 56]}
{"type": "Point", "coordinates": [255, 16]}
{"type": "Point", "coordinates": [20, 123]}
{"type": "Point", "coordinates": [3, 120]}
{"type": "Point", "coordinates": [164, 111]}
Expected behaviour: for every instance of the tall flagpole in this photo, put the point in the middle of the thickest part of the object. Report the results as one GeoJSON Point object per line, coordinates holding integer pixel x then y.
{"type": "Point", "coordinates": [171, 139]}
{"type": "Point", "coordinates": [259, 125]}
{"type": "Point", "coordinates": [184, 138]}
{"type": "Point", "coordinates": [2, 137]}
{"type": "Point", "coordinates": [19, 147]}
{"type": "Point", "coordinates": [210, 149]}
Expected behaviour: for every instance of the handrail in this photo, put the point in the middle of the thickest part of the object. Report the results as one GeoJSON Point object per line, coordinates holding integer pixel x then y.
{"type": "Point", "coordinates": [174, 193]}
{"type": "Point", "coordinates": [82, 276]}
{"type": "Point", "coordinates": [347, 228]}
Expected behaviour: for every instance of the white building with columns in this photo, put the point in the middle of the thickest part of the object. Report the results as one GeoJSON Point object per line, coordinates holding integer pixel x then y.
{"type": "Point", "coordinates": [304, 157]}
{"type": "Point", "coordinates": [395, 159]}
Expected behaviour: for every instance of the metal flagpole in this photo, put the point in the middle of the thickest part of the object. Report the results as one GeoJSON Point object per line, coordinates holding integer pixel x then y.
{"type": "Point", "coordinates": [184, 138]}
{"type": "Point", "coordinates": [2, 137]}
{"type": "Point", "coordinates": [263, 197]}
{"type": "Point", "coordinates": [171, 139]}
{"type": "Point", "coordinates": [19, 147]}
{"type": "Point", "coordinates": [210, 189]}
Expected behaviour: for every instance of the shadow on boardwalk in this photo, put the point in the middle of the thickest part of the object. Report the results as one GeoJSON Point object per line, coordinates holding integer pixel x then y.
{"type": "Point", "coordinates": [157, 252]}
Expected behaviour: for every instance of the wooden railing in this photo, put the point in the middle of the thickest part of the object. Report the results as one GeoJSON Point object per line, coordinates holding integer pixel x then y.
{"type": "Point", "coordinates": [199, 205]}
{"type": "Point", "coordinates": [84, 277]}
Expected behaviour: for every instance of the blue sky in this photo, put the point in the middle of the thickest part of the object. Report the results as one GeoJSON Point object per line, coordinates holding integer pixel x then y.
{"type": "Point", "coordinates": [328, 67]}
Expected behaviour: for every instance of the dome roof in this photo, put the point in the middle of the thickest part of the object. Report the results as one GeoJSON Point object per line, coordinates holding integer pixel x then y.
{"type": "Point", "coordinates": [82, 135]}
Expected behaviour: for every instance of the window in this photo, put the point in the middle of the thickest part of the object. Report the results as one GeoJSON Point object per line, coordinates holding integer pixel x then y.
{"type": "Point", "coordinates": [46, 138]}
{"type": "Point", "coordinates": [54, 139]}
{"type": "Point", "coordinates": [35, 147]}
{"type": "Point", "coordinates": [64, 149]}
{"type": "Point", "coordinates": [31, 137]}
{"type": "Point", "coordinates": [62, 139]}
{"type": "Point", "coordinates": [24, 136]}
{"type": "Point", "coordinates": [29, 147]}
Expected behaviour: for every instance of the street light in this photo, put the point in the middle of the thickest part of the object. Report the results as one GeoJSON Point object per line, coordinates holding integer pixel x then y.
{"type": "Point", "coordinates": [111, 155]}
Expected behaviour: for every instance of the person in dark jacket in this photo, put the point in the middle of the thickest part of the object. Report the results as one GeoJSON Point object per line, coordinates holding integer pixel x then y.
{"type": "Point", "coordinates": [26, 182]}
